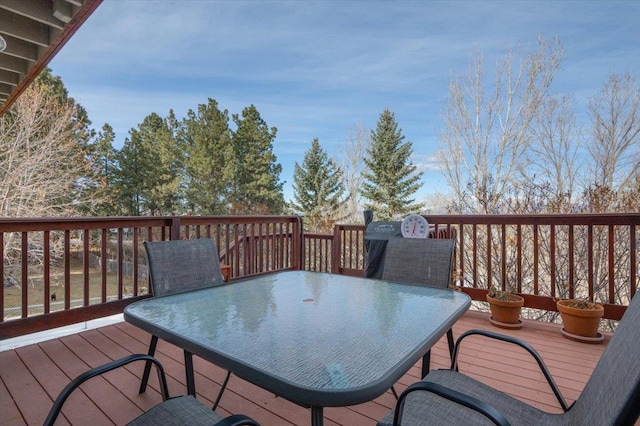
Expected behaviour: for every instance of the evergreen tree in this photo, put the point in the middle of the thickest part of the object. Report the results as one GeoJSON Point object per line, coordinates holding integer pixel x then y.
{"type": "Point", "coordinates": [167, 195]}
{"type": "Point", "coordinates": [256, 186]}
{"type": "Point", "coordinates": [317, 189]}
{"type": "Point", "coordinates": [103, 156]}
{"type": "Point", "coordinates": [207, 139]}
{"type": "Point", "coordinates": [150, 168]}
{"type": "Point", "coordinates": [104, 153]}
{"type": "Point", "coordinates": [390, 179]}
{"type": "Point", "coordinates": [132, 175]}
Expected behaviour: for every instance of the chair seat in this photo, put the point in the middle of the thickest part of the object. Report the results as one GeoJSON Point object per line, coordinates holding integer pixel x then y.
{"type": "Point", "coordinates": [178, 411]}
{"type": "Point", "coordinates": [423, 408]}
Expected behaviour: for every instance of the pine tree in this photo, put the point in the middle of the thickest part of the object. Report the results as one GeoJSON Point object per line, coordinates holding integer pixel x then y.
{"type": "Point", "coordinates": [256, 186]}
{"type": "Point", "coordinates": [103, 159]}
{"type": "Point", "coordinates": [207, 139]}
{"type": "Point", "coordinates": [132, 175]}
{"type": "Point", "coordinates": [150, 168]}
{"type": "Point", "coordinates": [391, 178]}
{"type": "Point", "coordinates": [317, 189]}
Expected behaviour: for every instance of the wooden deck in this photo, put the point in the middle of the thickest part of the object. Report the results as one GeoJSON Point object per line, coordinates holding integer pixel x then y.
{"type": "Point", "coordinates": [32, 376]}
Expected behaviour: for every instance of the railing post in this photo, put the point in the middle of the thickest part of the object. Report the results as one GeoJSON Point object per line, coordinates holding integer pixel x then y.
{"type": "Point", "coordinates": [175, 228]}
{"type": "Point", "coordinates": [336, 245]}
{"type": "Point", "coordinates": [297, 245]}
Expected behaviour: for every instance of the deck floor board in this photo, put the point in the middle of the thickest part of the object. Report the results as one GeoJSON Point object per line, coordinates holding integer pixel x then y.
{"type": "Point", "coordinates": [31, 376]}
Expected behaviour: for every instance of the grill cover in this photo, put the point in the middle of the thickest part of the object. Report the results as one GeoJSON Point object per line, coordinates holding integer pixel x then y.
{"type": "Point", "coordinates": [376, 236]}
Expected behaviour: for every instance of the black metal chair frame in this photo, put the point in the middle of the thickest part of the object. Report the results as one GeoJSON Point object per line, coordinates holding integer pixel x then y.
{"type": "Point", "coordinates": [188, 357]}
{"type": "Point", "coordinates": [426, 359]}
{"type": "Point", "coordinates": [469, 401]}
{"type": "Point", "coordinates": [233, 420]}
{"type": "Point", "coordinates": [628, 415]}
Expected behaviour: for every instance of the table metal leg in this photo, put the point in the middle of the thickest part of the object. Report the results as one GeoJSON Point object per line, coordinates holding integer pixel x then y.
{"type": "Point", "coordinates": [426, 360]}
{"type": "Point", "coordinates": [317, 418]}
{"type": "Point", "coordinates": [188, 366]}
{"type": "Point", "coordinates": [147, 365]}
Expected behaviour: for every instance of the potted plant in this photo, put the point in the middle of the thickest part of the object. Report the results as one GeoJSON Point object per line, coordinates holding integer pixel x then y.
{"type": "Point", "coordinates": [580, 319]}
{"type": "Point", "coordinates": [505, 308]}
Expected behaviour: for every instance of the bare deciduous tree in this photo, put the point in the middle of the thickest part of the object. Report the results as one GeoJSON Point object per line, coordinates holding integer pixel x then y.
{"type": "Point", "coordinates": [351, 163]}
{"type": "Point", "coordinates": [486, 134]}
{"type": "Point", "coordinates": [43, 169]}
{"type": "Point", "coordinates": [614, 142]}
{"type": "Point", "coordinates": [554, 155]}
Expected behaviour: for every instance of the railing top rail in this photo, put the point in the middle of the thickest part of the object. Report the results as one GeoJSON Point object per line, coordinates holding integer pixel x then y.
{"type": "Point", "coordinates": [318, 235]}
{"type": "Point", "coordinates": [71, 223]}
{"type": "Point", "coordinates": [200, 220]}
{"type": "Point", "coordinates": [351, 226]}
{"type": "Point", "coordinates": [533, 219]}
{"type": "Point", "coordinates": [529, 219]}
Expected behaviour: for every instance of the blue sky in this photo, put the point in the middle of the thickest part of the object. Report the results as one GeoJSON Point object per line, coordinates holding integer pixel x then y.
{"type": "Point", "coordinates": [318, 68]}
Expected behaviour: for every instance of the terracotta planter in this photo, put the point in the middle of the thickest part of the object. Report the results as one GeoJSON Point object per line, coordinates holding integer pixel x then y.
{"type": "Point", "coordinates": [580, 322]}
{"type": "Point", "coordinates": [506, 313]}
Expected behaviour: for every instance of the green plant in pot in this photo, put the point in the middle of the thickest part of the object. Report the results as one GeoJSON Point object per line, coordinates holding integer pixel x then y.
{"type": "Point", "coordinates": [505, 308]}
{"type": "Point", "coordinates": [580, 319]}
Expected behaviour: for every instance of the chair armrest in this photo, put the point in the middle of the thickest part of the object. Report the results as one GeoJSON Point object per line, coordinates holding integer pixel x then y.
{"type": "Point", "coordinates": [452, 395]}
{"type": "Point", "coordinates": [97, 371]}
{"type": "Point", "coordinates": [527, 347]}
{"type": "Point", "coordinates": [237, 420]}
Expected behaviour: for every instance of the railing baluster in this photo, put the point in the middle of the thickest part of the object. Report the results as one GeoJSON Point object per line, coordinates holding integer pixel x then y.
{"type": "Point", "coordinates": [67, 270]}
{"type": "Point", "coordinates": [460, 254]}
{"type": "Point", "coordinates": [25, 274]}
{"type": "Point", "coordinates": [85, 266]}
{"type": "Point", "coordinates": [552, 260]}
{"type": "Point", "coordinates": [519, 256]}
{"type": "Point", "coordinates": [633, 252]}
{"type": "Point", "coordinates": [610, 268]}
{"type": "Point", "coordinates": [46, 246]}
{"type": "Point", "coordinates": [475, 255]}
{"type": "Point", "coordinates": [536, 258]}
{"type": "Point", "coordinates": [104, 264]}
{"type": "Point", "coordinates": [2, 276]}
{"type": "Point", "coordinates": [572, 282]}
{"type": "Point", "coordinates": [136, 262]}
{"type": "Point", "coordinates": [120, 264]}
{"type": "Point", "coordinates": [503, 253]}
{"type": "Point", "coordinates": [489, 258]}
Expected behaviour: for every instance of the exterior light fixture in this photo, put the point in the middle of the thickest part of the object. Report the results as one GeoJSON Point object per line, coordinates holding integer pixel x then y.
{"type": "Point", "coordinates": [3, 44]}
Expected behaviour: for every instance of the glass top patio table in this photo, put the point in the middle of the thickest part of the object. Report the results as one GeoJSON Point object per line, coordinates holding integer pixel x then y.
{"type": "Point", "coordinates": [316, 339]}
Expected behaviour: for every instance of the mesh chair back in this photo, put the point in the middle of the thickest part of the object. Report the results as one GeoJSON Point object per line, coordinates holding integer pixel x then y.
{"type": "Point", "coordinates": [183, 265]}
{"type": "Point", "coordinates": [425, 262]}
{"type": "Point", "coordinates": [612, 394]}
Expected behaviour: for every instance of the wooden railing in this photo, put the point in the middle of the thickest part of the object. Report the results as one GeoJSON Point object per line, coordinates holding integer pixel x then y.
{"type": "Point", "coordinates": [541, 257]}
{"type": "Point", "coordinates": [64, 271]}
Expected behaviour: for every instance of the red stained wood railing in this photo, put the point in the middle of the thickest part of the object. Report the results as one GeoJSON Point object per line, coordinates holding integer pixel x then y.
{"type": "Point", "coordinates": [541, 257]}
{"type": "Point", "coordinates": [64, 271]}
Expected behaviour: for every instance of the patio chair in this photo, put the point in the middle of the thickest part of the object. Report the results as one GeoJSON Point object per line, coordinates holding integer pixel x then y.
{"type": "Point", "coordinates": [178, 266]}
{"type": "Point", "coordinates": [181, 410]}
{"type": "Point", "coordinates": [611, 396]}
{"type": "Point", "coordinates": [425, 262]}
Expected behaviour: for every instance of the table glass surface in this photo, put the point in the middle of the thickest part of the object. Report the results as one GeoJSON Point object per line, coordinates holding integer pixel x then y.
{"type": "Point", "coordinates": [317, 331]}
